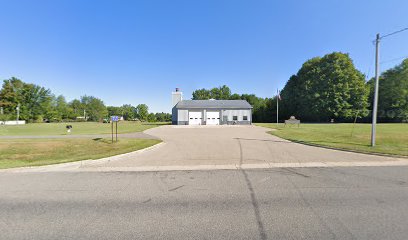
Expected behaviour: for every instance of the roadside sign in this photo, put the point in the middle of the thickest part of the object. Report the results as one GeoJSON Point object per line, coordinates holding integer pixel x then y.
{"type": "Point", "coordinates": [116, 120]}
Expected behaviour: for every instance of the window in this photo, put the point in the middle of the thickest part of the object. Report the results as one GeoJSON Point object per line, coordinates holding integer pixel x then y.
{"type": "Point", "coordinates": [235, 118]}
{"type": "Point", "coordinates": [245, 118]}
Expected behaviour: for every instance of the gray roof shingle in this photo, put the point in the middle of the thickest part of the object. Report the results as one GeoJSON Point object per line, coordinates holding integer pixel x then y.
{"type": "Point", "coordinates": [223, 104]}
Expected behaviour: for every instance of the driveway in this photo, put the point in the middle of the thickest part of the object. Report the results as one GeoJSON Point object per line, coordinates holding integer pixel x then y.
{"type": "Point", "coordinates": [228, 145]}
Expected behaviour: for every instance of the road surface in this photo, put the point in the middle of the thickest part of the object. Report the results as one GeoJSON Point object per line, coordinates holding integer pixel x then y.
{"type": "Point", "coordinates": [282, 203]}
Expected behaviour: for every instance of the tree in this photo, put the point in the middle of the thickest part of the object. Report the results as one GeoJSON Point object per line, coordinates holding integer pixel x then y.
{"type": "Point", "coordinates": [151, 117]}
{"type": "Point", "coordinates": [60, 109]}
{"type": "Point", "coordinates": [325, 88]}
{"type": "Point", "coordinates": [225, 92]}
{"type": "Point", "coordinates": [291, 98]}
{"type": "Point", "coordinates": [52, 114]}
{"type": "Point", "coordinates": [128, 112]}
{"type": "Point", "coordinates": [10, 94]}
{"type": "Point", "coordinates": [201, 94]}
{"type": "Point", "coordinates": [219, 93]}
{"type": "Point", "coordinates": [142, 112]}
{"type": "Point", "coordinates": [163, 117]}
{"type": "Point", "coordinates": [114, 111]}
{"type": "Point", "coordinates": [235, 96]}
{"type": "Point", "coordinates": [37, 103]}
{"type": "Point", "coordinates": [94, 107]}
{"type": "Point", "coordinates": [34, 100]}
{"type": "Point", "coordinates": [393, 93]}
{"type": "Point", "coordinates": [77, 108]}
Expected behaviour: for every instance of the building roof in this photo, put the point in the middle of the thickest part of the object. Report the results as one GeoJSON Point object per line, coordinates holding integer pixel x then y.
{"type": "Point", "coordinates": [223, 104]}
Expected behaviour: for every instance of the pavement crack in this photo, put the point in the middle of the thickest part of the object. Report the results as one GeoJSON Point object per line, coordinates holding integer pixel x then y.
{"type": "Point", "coordinates": [255, 205]}
{"type": "Point", "coordinates": [174, 189]}
{"type": "Point", "coordinates": [254, 201]}
{"type": "Point", "coordinates": [241, 158]}
{"type": "Point", "coordinates": [295, 172]}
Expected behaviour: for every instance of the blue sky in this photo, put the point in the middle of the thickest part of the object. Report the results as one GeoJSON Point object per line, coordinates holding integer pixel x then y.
{"type": "Point", "coordinates": [139, 51]}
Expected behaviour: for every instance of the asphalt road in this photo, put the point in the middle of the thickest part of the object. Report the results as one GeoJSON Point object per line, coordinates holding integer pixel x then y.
{"type": "Point", "coordinates": [282, 203]}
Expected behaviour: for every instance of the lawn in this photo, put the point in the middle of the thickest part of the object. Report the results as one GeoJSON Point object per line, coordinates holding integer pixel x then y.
{"type": "Point", "coordinates": [391, 138]}
{"type": "Point", "coordinates": [35, 152]}
{"type": "Point", "coordinates": [78, 128]}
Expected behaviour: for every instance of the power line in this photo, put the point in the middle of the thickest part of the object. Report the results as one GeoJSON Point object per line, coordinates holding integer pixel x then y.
{"type": "Point", "coordinates": [372, 58]}
{"type": "Point", "coordinates": [387, 35]}
{"type": "Point", "coordinates": [390, 34]}
{"type": "Point", "coordinates": [394, 59]}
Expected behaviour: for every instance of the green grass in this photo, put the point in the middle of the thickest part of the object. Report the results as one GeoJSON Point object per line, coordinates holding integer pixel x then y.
{"type": "Point", "coordinates": [78, 128]}
{"type": "Point", "coordinates": [391, 138]}
{"type": "Point", "coordinates": [36, 152]}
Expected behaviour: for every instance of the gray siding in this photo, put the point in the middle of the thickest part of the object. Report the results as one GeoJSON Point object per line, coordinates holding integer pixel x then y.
{"type": "Point", "coordinates": [227, 115]}
{"type": "Point", "coordinates": [182, 115]}
{"type": "Point", "coordinates": [174, 116]}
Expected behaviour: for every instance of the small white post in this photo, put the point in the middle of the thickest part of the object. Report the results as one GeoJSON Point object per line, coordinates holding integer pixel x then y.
{"type": "Point", "coordinates": [18, 112]}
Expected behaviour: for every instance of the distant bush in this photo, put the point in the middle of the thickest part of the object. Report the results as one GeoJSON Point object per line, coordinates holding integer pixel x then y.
{"type": "Point", "coordinates": [39, 119]}
{"type": "Point", "coordinates": [6, 117]}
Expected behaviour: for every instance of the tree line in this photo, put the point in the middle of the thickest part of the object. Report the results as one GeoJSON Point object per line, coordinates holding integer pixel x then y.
{"type": "Point", "coordinates": [38, 104]}
{"type": "Point", "coordinates": [326, 88]}
{"type": "Point", "coordinates": [263, 108]}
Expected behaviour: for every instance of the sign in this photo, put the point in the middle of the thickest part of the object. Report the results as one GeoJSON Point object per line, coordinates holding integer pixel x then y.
{"type": "Point", "coordinates": [292, 120]}
{"type": "Point", "coordinates": [115, 119]}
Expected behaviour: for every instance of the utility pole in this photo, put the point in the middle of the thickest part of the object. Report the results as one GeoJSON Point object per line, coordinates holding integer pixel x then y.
{"type": "Point", "coordinates": [377, 77]}
{"type": "Point", "coordinates": [277, 107]}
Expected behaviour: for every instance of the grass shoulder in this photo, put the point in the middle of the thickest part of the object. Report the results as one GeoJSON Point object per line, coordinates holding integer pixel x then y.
{"type": "Point", "coordinates": [38, 129]}
{"type": "Point", "coordinates": [36, 152]}
{"type": "Point", "coordinates": [392, 138]}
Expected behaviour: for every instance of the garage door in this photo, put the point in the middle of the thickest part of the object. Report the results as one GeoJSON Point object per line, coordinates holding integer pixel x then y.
{"type": "Point", "coordinates": [194, 118]}
{"type": "Point", "coordinates": [213, 118]}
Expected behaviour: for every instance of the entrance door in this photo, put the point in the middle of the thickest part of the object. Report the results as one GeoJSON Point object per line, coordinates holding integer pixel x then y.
{"type": "Point", "coordinates": [194, 118]}
{"type": "Point", "coordinates": [213, 118]}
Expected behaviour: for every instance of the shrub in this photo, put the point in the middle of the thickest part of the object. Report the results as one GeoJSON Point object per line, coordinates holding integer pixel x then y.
{"type": "Point", "coordinates": [6, 117]}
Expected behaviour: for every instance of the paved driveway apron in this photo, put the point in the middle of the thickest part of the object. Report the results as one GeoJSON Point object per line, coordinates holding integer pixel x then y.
{"type": "Point", "coordinates": [226, 145]}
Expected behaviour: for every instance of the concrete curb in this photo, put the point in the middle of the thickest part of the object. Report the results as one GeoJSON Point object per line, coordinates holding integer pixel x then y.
{"type": "Point", "coordinates": [402, 162]}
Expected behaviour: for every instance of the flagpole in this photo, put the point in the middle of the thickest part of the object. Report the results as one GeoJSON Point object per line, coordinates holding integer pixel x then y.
{"type": "Point", "coordinates": [277, 107]}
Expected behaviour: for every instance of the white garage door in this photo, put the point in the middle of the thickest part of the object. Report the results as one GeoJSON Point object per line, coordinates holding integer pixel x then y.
{"type": "Point", "coordinates": [213, 118]}
{"type": "Point", "coordinates": [194, 118]}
